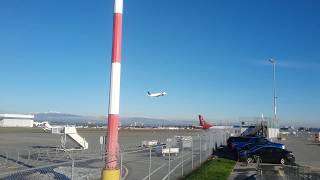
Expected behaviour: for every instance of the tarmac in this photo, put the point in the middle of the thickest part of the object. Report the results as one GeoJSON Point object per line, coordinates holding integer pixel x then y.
{"type": "Point", "coordinates": [27, 148]}
{"type": "Point", "coordinates": [306, 151]}
{"type": "Point", "coordinates": [243, 172]}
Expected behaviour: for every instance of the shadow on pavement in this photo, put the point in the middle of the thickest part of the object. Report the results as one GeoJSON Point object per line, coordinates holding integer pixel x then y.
{"type": "Point", "coordinates": [223, 152]}
{"type": "Point", "coordinates": [240, 171]}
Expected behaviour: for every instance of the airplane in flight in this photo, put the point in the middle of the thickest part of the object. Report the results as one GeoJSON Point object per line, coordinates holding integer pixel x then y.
{"type": "Point", "coordinates": [204, 124]}
{"type": "Point", "coordinates": [156, 94]}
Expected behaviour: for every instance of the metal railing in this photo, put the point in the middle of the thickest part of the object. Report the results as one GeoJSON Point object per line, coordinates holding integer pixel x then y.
{"type": "Point", "coordinates": [285, 172]}
{"type": "Point", "coordinates": [135, 163]}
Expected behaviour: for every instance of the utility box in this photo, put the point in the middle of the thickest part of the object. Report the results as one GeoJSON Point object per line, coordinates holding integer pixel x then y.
{"type": "Point", "coordinates": [317, 137]}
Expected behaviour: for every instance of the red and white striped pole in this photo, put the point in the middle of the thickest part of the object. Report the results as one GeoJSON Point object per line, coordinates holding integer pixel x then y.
{"type": "Point", "coordinates": [111, 170]}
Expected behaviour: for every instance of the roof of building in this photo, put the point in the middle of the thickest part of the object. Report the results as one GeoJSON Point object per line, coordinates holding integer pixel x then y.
{"type": "Point", "coordinates": [17, 116]}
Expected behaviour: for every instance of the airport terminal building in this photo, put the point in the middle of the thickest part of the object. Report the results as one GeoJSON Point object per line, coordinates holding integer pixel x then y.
{"type": "Point", "coordinates": [16, 120]}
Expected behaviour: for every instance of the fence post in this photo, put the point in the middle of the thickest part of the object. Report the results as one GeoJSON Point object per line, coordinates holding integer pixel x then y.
{"type": "Point", "coordinates": [225, 138]}
{"type": "Point", "coordinates": [121, 159]}
{"type": "Point", "coordinates": [169, 165]}
{"type": "Point", "coordinates": [207, 154]}
{"type": "Point", "coordinates": [101, 151]}
{"type": "Point", "coordinates": [72, 168]}
{"type": "Point", "coordinates": [182, 160]}
{"type": "Point", "coordinates": [200, 150]}
{"type": "Point", "coordinates": [48, 154]}
{"type": "Point", "coordinates": [6, 157]}
{"type": "Point", "coordinates": [192, 154]}
{"type": "Point", "coordinates": [149, 163]}
{"type": "Point", "coordinates": [206, 157]}
{"type": "Point", "coordinates": [208, 141]}
{"type": "Point", "coordinates": [38, 154]}
{"type": "Point", "coordinates": [28, 155]}
{"type": "Point", "coordinates": [18, 156]}
{"type": "Point", "coordinates": [210, 144]}
{"type": "Point", "coordinates": [219, 141]}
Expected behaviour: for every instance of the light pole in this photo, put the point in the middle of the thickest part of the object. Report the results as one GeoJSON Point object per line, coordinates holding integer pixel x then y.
{"type": "Point", "coordinates": [273, 62]}
{"type": "Point", "coordinates": [111, 170]}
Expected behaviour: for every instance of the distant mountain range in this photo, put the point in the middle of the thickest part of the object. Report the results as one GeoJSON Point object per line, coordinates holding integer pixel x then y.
{"type": "Point", "coordinates": [64, 118]}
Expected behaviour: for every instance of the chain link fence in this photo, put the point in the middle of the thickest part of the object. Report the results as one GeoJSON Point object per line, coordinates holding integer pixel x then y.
{"type": "Point", "coordinates": [285, 172]}
{"type": "Point", "coordinates": [171, 158]}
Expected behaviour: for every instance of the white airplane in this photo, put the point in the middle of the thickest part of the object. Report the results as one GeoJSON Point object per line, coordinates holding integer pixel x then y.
{"type": "Point", "coordinates": [156, 94]}
{"type": "Point", "coordinates": [45, 125]}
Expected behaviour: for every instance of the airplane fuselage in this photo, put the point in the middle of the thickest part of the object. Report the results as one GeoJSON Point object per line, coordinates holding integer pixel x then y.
{"type": "Point", "coordinates": [156, 94]}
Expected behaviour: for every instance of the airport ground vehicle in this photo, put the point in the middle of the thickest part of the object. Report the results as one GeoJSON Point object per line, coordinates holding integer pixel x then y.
{"type": "Point", "coordinates": [268, 154]}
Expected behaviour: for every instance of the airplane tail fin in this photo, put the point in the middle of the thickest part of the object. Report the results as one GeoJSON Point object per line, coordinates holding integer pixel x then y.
{"type": "Point", "coordinates": [148, 93]}
{"type": "Point", "coordinates": [203, 123]}
{"type": "Point", "coordinates": [47, 125]}
{"type": "Point", "coordinates": [200, 120]}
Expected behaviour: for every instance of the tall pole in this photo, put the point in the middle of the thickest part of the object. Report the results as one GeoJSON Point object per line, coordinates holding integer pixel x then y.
{"type": "Point", "coordinates": [273, 62]}
{"type": "Point", "coordinates": [111, 170]}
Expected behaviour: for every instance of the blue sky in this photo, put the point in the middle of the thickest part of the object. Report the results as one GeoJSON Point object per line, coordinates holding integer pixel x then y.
{"type": "Point", "coordinates": [209, 56]}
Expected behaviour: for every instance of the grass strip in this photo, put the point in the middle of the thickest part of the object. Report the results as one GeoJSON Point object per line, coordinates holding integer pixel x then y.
{"type": "Point", "coordinates": [213, 169]}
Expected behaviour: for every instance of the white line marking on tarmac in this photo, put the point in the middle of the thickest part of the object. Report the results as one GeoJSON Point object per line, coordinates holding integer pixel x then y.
{"type": "Point", "coordinates": [166, 176]}
{"type": "Point", "coordinates": [164, 164]}
{"type": "Point", "coordinates": [125, 174]}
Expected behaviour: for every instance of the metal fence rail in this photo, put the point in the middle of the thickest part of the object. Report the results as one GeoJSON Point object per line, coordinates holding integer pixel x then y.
{"type": "Point", "coordinates": [286, 172]}
{"type": "Point", "coordinates": [135, 163]}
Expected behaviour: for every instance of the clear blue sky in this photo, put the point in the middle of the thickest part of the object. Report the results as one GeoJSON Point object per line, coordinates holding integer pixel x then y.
{"type": "Point", "coordinates": [209, 56]}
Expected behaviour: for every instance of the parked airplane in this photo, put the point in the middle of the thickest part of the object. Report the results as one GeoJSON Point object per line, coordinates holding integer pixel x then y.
{"type": "Point", "coordinates": [203, 123]}
{"type": "Point", "coordinates": [156, 94]}
{"type": "Point", "coordinates": [45, 125]}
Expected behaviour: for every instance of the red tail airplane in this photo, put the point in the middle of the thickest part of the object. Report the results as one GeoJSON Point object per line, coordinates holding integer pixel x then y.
{"type": "Point", "coordinates": [204, 124]}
